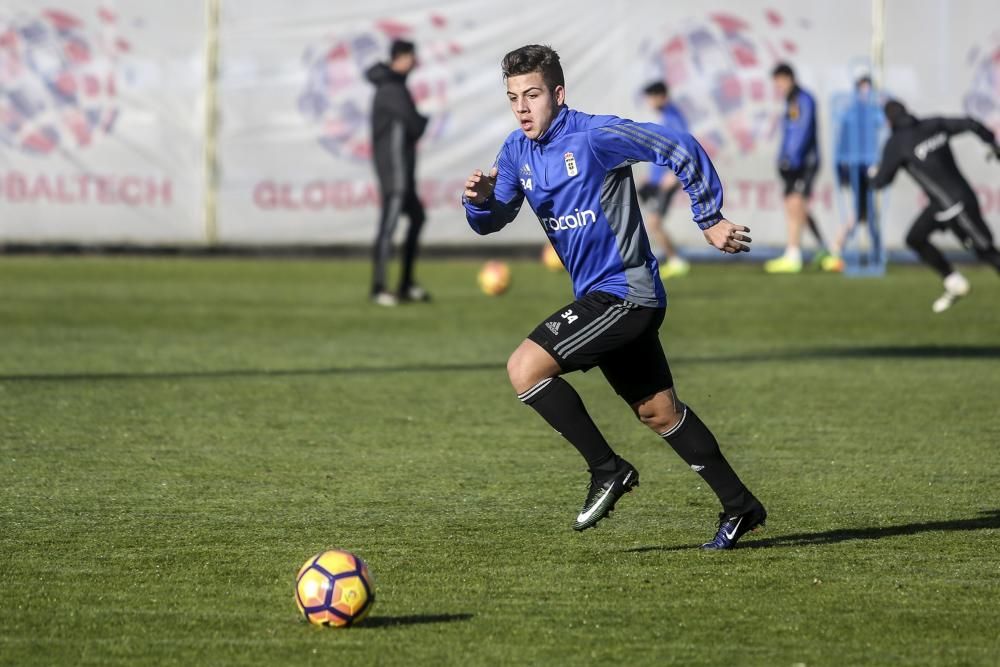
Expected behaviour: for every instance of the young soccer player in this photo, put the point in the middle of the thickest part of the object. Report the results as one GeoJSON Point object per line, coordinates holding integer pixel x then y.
{"type": "Point", "coordinates": [575, 171]}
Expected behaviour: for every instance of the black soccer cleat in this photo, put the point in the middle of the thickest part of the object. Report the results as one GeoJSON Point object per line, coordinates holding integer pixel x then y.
{"type": "Point", "coordinates": [734, 526]}
{"type": "Point", "coordinates": [414, 294]}
{"type": "Point", "coordinates": [604, 493]}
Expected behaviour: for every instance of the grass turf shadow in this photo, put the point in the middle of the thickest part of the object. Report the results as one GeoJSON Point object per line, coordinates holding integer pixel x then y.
{"type": "Point", "coordinates": [890, 352]}
{"type": "Point", "coordinates": [987, 519]}
{"type": "Point", "coordinates": [230, 373]}
{"type": "Point", "coordinates": [809, 354]}
{"type": "Point", "coordinates": [377, 622]}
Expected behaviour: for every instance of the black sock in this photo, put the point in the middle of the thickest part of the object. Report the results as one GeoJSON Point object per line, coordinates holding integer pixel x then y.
{"type": "Point", "coordinates": [815, 230]}
{"type": "Point", "coordinates": [991, 256]}
{"type": "Point", "coordinates": [694, 443]}
{"type": "Point", "coordinates": [931, 256]}
{"type": "Point", "coordinates": [559, 404]}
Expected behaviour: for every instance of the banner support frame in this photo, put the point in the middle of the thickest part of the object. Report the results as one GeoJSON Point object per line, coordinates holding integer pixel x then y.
{"type": "Point", "coordinates": [210, 157]}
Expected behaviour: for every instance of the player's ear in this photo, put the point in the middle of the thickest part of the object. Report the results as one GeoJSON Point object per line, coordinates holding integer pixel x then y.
{"type": "Point", "coordinates": [560, 95]}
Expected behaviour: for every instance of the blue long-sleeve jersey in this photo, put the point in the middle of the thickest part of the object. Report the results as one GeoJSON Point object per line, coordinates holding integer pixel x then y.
{"type": "Point", "coordinates": [799, 140]}
{"type": "Point", "coordinates": [672, 119]}
{"type": "Point", "coordinates": [577, 178]}
{"type": "Point", "coordinates": [860, 132]}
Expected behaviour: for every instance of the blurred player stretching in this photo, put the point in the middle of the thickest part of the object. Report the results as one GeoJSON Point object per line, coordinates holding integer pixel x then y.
{"type": "Point", "coordinates": [921, 148]}
{"type": "Point", "coordinates": [663, 185]}
{"type": "Point", "coordinates": [575, 171]}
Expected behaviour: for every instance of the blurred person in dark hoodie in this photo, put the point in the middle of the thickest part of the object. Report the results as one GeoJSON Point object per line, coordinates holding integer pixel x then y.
{"type": "Point", "coordinates": [396, 127]}
{"type": "Point", "coordinates": [922, 148]}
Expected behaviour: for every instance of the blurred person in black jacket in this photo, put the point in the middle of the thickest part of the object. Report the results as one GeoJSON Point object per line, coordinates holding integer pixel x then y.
{"type": "Point", "coordinates": [921, 147]}
{"type": "Point", "coordinates": [396, 127]}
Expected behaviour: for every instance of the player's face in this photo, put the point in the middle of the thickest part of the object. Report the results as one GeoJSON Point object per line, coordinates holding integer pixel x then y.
{"type": "Point", "coordinates": [783, 84]}
{"type": "Point", "coordinates": [656, 102]}
{"type": "Point", "coordinates": [533, 104]}
{"type": "Point", "coordinates": [405, 63]}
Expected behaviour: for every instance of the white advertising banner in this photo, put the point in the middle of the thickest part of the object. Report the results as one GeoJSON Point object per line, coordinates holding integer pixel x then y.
{"type": "Point", "coordinates": [295, 144]}
{"type": "Point", "coordinates": [102, 126]}
{"type": "Point", "coordinates": [101, 136]}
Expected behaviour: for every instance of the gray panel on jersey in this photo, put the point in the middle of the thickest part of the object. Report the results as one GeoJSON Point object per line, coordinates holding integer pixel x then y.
{"type": "Point", "coordinates": [621, 210]}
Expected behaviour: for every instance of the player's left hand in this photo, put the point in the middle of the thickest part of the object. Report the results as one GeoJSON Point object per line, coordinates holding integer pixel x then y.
{"type": "Point", "coordinates": [728, 237]}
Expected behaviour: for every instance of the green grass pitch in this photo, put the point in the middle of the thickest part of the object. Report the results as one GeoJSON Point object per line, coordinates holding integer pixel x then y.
{"type": "Point", "coordinates": [178, 435]}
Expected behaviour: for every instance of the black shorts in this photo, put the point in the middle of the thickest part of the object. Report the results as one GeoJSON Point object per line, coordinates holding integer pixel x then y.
{"type": "Point", "coordinates": [663, 199]}
{"type": "Point", "coordinates": [619, 337]}
{"type": "Point", "coordinates": [799, 180]}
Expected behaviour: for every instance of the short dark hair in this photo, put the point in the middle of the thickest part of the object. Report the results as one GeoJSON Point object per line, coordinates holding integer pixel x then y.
{"type": "Point", "coordinates": [400, 47]}
{"type": "Point", "coordinates": [534, 58]}
{"type": "Point", "coordinates": [656, 88]}
{"type": "Point", "coordinates": [895, 111]}
{"type": "Point", "coordinates": [783, 69]}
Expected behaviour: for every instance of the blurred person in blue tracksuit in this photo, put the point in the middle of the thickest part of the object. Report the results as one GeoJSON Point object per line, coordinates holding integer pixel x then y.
{"type": "Point", "coordinates": [859, 135]}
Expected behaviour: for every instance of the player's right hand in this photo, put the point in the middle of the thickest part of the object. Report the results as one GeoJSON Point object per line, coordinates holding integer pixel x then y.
{"type": "Point", "coordinates": [479, 187]}
{"type": "Point", "coordinates": [727, 237]}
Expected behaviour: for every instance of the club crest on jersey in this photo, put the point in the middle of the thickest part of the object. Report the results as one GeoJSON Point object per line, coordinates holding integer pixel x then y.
{"type": "Point", "coordinates": [570, 164]}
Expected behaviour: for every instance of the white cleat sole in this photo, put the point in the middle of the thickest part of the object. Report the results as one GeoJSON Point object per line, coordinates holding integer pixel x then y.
{"type": "Point", "coordinates": [944, 302]}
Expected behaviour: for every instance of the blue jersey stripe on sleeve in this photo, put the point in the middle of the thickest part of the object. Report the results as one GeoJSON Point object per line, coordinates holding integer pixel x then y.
{"type": "Point", "coordinates": [661, 145]}
{"type": "Point", "coordinates": [674, 148]}
{"type": "Point", "coordinates": [701, 189]}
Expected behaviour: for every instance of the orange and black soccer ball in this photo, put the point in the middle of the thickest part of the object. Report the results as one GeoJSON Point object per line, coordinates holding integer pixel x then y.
{"type": "Point", "coordinates": [334, 588]}
{"type": "Point", "coordinates": [494, 278]}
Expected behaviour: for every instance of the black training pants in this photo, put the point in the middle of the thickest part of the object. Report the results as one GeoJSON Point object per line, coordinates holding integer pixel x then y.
{"type": "Point", "coordinates": [395, 204]}
{"type": "Point", "coordinates": [965, 220]}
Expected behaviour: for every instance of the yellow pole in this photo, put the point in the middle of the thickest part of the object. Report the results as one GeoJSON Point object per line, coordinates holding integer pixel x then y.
{"type": "Point", "coordinates": [876, 222]}
{"type": "Point", "coordinates": [878, 43]}
{"type": "Point", "coordinates": [211, 161]}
